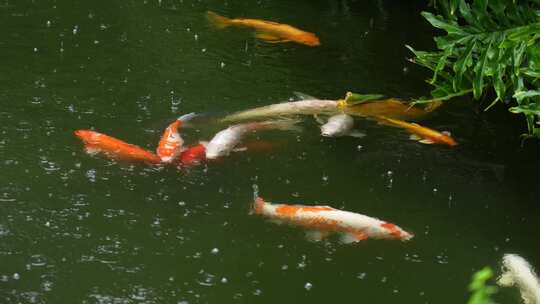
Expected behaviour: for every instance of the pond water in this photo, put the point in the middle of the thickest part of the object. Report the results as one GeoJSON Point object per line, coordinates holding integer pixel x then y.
{"type": "Point", "coordinates": [76, 228]}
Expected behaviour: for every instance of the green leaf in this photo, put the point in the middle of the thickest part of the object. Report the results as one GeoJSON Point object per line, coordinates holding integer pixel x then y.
{"type": "Point", "coordinates": [461, 65]}
{"type": "Point", "coordinates": [526, 94]}
{"type": "Point", "coordinates": [478, 84]}
{"type": "Point", "coordinates": [531, 109]}
{"type": "Point", "coordinates": [355, 98]}
{"type": "Point", "coordinates": [438, 22]}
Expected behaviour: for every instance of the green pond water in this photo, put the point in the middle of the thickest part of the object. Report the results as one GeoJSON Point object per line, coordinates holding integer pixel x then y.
{"type": "Point", "coordinates": [76, 228]}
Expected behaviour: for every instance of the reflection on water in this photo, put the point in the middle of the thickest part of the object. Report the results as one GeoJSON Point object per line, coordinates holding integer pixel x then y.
{"type": "Point", "coordinates": [83, 229]}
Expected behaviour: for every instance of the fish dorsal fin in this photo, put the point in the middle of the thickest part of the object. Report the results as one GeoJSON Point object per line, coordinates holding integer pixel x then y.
{"type": "Point", "coordinates": [303, 96]}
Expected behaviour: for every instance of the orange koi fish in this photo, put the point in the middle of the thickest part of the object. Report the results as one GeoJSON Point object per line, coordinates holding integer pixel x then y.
{"type": "Point", "coordinates": [324, 220]}
{"type": "Point", "coordinates": [420, 133]}
{"type": "Point", "coordinates": [170, 144]}
{"type": "Point", "coordinates": [95, 142]}
{"type": "Point", "coordinates": [266, 30]}
{"type": "Point", "coordinates": [193, 155]}
{"type": "Point", "coordinates": [392, 108]}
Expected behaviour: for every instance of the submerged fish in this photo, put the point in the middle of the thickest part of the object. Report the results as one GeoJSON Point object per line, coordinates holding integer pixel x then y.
{"type": "Point", "coordinates": [193, 155]}
{"type": "Point", "coordinates": [517, 271]}
{"type": "Point", "coordinates": [392, 108]}
{"type": "Point", "coordinates": [422, 134]}
{"type": "Point", "coordinates": [301, 107]}
{"type": "Point", "coordinates": [266, 30]}
{"type": "Point", "coordinates": [170, 144]}
{"type": "Point", "coordinates": [226, 140]}
{"type": "Point", "coordinates": [324, 220]}
{"type": "Point", "coordinates": [340, 125]}
{"type": "Point", "coordinates": [95, 142]}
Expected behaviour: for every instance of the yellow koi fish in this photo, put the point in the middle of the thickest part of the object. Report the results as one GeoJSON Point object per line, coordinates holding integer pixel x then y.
{"type": "Point", "coordinates": [266, 30]}
{"type": "Point", "coordinates": [420, 133]}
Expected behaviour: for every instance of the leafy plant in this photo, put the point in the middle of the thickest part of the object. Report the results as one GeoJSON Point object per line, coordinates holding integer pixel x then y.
{"type": "Point", "coordinates": [481, 293]}
{"type": "Point", "coordinates": [490, 47]}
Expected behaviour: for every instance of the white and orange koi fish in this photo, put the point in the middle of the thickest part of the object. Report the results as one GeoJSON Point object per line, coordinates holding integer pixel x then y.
{"type": "Point", "coordinates": [324, 220]}
{"type": "Point", "coordinates": [225, 141]}
{"type": "Point", "coordinates": [170, 144]}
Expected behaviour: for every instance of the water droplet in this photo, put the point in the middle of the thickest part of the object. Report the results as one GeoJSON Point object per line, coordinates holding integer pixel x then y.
{"type": "Point", "coordinates": [308, 286]}
{"type": "Point", "coordinates": [215, 251]}
{"type": "Point", "coordinates": [361, 275]}
{"type": "Point", "coordinates": [48, 23]}
{"type": "Point", "coordinates": [359, 147]}
{"type": "Point", "coordinates": [35, 50]}
{"type": "Point", "coordinates": [75, 29]}
{"type": "Point", "coordinates": [196, 37]}
{"type": "Point", "coordinates": [16, 276]}
{"type": "Point", "coordinates": [224, 280]}
{"type": "Point", "coordinates": [222, 64]}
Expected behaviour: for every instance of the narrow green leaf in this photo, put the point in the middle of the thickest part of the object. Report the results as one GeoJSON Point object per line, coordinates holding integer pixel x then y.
{"type": "Point", "coordinates": [462, 64]}
{"type": "Point", "coordinates": [531, 109]}
{"type": "Point", "coordinates": [526, 94]}
{"type": "Point", "coordinates": [478, 84]}
{"type": "Point", "coordinates": [438, 22]}
{"type": "Point", "coordinates": [355, 98]}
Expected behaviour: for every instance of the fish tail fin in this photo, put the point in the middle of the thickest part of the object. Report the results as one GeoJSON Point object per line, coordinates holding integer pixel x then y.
{"type": "Point", "coordinates": [186, 117]}
{"type": "Point", "coordinates": [432, 106]}
{"type": "Point", "coordinates": [219, 22]}
{"type": "Point", "coordinates": [258, 205]}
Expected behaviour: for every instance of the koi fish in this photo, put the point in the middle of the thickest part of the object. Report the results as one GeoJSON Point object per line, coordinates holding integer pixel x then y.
{"type": "Point", "coordinates": [170, 144]}
{"type": "Point", "coordinates": [340, 125]}
{"type": "Point", "coordinates": [301, 107]}
{"type": "Point", "coordinates": [324, 220]}
{"type": "Point", "coordinates": [193, 155]}
{"type": "Point", "coordinates": [422, 134]}
{"type": "Point", "coordinates": [268, 31]}
{"type": "Point", "coordinates": [95, 142]}
{"type": "Point", "coordinates": [226, 140]}
{"type": "Point", "coordinates": [392, 108]}
{"type": "Point", "coordinates": [517, 271]}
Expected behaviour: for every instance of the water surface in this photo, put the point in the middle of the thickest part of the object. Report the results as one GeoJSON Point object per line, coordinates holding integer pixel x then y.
{"type": "Point", "coordinates": [81, 229]}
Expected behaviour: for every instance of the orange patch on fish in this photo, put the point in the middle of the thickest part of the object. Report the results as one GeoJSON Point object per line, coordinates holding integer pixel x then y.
{"type": "Point", "coordinates": [392, 229]}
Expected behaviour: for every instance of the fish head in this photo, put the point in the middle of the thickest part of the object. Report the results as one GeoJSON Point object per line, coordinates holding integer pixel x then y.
{"type": "Point", "coordinates": [214, 151]}
{"type": "Point", "coordinates": [85, 135]}
{"type": "Point", "coordinates": [328, 130]}
{"type": "Point", "coordinates": [391, 231]}
{"type": "Point", "coordinates": [447, 139]}
{"type": "Point", "coordinates": [307, 39]}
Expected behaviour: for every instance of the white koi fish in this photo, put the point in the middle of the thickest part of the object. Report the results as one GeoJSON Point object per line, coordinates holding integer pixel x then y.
{"type": "Point", "coordinates": [301, 107]}
{"type": "Point", "coordinates": [170, 144]}
{"type": "Point", "coordinates": [340, 125]}
{"type": "Point", "coordinates": [226, 140]}
{"type": "Point", "coordinates": [517, 271]}
{"type": "Point", "coordinates": [324, 220]}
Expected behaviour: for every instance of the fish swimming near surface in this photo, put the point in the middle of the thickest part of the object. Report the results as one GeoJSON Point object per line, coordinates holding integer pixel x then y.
{"type": "Point", "coordinates": [321, 221]}
{"type": "Point", "coordinates": [516, 271]}
{"type": "Point", "coordinates": [170, 144]}
{"type": "Point", "coordinates": [193, 155]}
{"type": "Point", "coordinates": [95, 142]}
{"type": "Point", "coordinates": [340, 125]}
{"type": "Point", "coordinates": [225, 141]}
{"type": "Point", "coordinates": [391, 108]}
{"type": "Point", "coordinates": [266, 30]}
{"type": "Point", "coordinates": [300, 107]}
{"type": "Point", "coordinates": [422, 134]}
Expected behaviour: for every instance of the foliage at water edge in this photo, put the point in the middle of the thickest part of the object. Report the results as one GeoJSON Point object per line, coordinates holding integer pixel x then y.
{"type": "Point", "coordinates": [491, 49]}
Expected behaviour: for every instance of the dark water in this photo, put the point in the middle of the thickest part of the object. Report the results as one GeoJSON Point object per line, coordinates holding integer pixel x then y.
{"type": "Point", "coordinates": [81, 229]}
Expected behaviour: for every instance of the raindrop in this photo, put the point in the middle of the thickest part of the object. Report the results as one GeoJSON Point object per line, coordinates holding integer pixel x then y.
{"type": "Point", "coordinates": [224, 280]}
{"type": "Point", "coordinates": [35, 50]}
{"type": "Point", "coordinates": [361, 275]}
{"type": "Point", "coordinates": [308, 286]}
{"type": "Point", "coordinates": [48, 23]}
{"type": "Point", "coordinates": [75, 29]}
{"type": "Point", "coordinates": [215, 251]}
{"type": "Point", "coordinates": [16, 276]}
{"type": "Point", "coordinates": [196, 37]}
{"type": "Point", "coordinates": [359, 147]}
{"type": "Point", "coordinates": [257, 292]}
{"type": "Point", "coordinates": [222, 64]}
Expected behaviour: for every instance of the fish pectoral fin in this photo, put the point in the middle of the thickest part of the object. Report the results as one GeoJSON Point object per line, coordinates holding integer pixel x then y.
{"type": "Point", "coordinates": [357, 134]}
{"type": "Point", "coordinates": [316, 235]}
{"type": "Point", "coordinates": [91, 149]}
{"type": "Point", "coordinates": [318, 119]}
{"type": "Point", "coordinates": [240, 149]}
{"type": "Point", "coordinates": [414, 137]}
{"type": "Point", "coordinates": [426, 141]}
{"type": "Point", "coordinates": [349, 237]}
{"type": "Point", "coordinates": [269, 37]}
